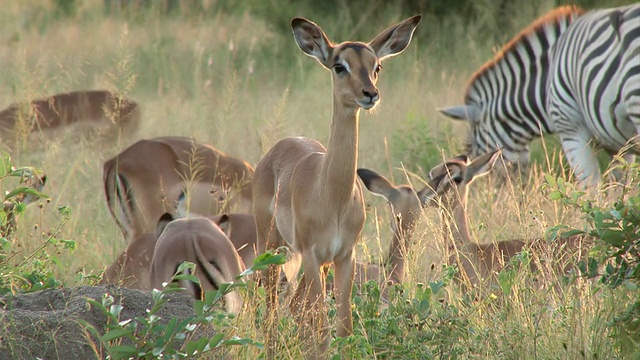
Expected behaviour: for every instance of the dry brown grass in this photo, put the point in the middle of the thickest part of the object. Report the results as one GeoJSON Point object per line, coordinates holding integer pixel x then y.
{"type": "Point", "coordinates": [208, 77]}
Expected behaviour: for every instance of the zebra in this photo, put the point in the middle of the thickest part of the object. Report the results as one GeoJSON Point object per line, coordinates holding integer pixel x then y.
{"type": "Point", "coordinates": [571, 72]}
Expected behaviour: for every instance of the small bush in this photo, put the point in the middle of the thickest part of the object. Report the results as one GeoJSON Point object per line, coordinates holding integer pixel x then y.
{"type": "Point", "coordinates": [614, 259]}
{"type": "Point", "coordinates": [20, 273]}
{"type": "Point", "coordinates": [147, 338]}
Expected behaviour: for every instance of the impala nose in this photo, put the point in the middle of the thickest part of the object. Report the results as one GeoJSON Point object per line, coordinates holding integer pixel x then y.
{"type": "Point", "coordinates": [373, 96]}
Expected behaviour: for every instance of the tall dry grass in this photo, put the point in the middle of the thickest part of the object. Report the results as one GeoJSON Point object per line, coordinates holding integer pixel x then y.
{"type": "Point", "coordinates": [232, 80]}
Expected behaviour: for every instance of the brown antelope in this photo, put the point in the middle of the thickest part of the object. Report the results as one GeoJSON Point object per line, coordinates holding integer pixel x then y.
{"type": "Point", "coordinates": [306, 196]}
{"type": "Point", "coordinates": [96, 108]}
{"type": "Point", "coordinates": [202, 242]}
{"type": "Point", "coordinates": [131, 268]}
{"type": "Point", "coordinates": [32, 181]}
{"type": "Point", "coordinates": [406, 208]}
{"type": "Point", "coordinates": [239, 227]}
{"type": "Point", "coordinates": [141, 179]}
{"type": "Point", "coordinates": [448, 186]}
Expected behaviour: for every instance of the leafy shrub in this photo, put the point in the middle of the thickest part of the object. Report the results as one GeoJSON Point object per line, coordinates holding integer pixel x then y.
{"type": "Point", "coordinates": [412, 324]}
{"type": "Point", "coordinates": [614, 259]}
{"type": "Point", "coordinates": [147, 338]}
{"type": "Point", "coordinates": [32, 271]}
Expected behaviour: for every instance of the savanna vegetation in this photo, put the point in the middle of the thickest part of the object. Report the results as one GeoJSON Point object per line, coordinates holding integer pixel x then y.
{"type": "Point", "coordinates": [229, 73]}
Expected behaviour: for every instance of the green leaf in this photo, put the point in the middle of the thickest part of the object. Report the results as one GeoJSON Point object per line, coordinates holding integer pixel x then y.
{"type": "Point", "coordinates": [186, 277]}
{"type": "Point", "coordinates": [212, 297]}
{"type": "Point", "coordinates": [186, 266]}
{"type": "Point", "coordinates": [216, 340]}
{"type": "Point", "coordinates": [555, 195]}
{"type": "Point", "coordinates": [115, 334]}
{"type": "Point", "coordinates": [123, 352]}
{"type": "Point", "coordinates": [264, 260]}
{"type": "Point", "coordinates": [115, 309]}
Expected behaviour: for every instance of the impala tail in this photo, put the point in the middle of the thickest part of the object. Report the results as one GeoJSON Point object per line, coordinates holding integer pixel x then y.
{"type": "Point", "coordinates": [119, 199]}
{"type": "Point", "coordinates": [202, 242]}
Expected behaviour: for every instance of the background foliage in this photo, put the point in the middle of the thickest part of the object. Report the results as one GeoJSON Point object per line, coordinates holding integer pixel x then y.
{"type": "Point", "coordinates": [229, 73]}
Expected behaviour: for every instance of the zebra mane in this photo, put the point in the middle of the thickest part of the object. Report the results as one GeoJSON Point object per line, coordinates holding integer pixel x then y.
{"type": "Point", "coordinates": [550, 19]}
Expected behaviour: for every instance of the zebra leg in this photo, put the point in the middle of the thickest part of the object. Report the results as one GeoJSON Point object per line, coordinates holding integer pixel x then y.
{"type": "Point", "coordinates": [581, 156]}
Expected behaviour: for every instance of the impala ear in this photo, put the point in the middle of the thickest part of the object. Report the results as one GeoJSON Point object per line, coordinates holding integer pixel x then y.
{"type": "Point", "coordinates": [312, 40]}
{"type": "Point", "coordinates": [481, 165]}
{"type": "Point", "coordinates": [395, 39]}
{"type": "Point", "coordinates": [462, 158]}
{"type": "Point", "coordinates": [224, 223]}
{"type": "Point", "coordinates": [181, 206]}
{"type": "Point", "coordinates": [377, 183]}
{"type": "Point", "coordinates": [462, 112]}
{"type": "Point", "coordinates": [164, 220]}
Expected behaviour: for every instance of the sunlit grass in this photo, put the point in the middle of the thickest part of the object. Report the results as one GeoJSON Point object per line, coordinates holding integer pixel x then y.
{"type": "Point", "coordinates": [232, 81]}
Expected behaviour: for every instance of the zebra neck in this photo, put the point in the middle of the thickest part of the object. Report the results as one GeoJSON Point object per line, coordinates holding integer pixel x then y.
{"type": "Point", "coordinates": [511, 88]}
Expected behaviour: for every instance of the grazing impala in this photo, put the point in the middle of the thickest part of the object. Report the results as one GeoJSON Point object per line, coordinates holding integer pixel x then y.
{"type": "Point", "coordinates": [131, 268]}
{"type": "Point", "coordinates": [141, 179]}
{"type": "Point", "coordinates": [202, 242]}
{"type": "Point", "coordinates": [97, 108]}
{"type": "Point", "coordinates": [449, 183]}
{"type": "Point", "coordinates": [448, 186]}
{"type": "Point", "coordinates": [306, 196]}
{"type": "Point", "coordinates": [239, 227]}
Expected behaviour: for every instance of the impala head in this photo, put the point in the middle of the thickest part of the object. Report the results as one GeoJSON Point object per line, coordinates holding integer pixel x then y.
{"type": "Point", "coordinates": [34, 182]}
{"type": "Point", "coordinates": [354, 65]}
{"type": "Point", "coordinates": [404, 201]}
{"type": "Point", "coordinates": [449, 181]}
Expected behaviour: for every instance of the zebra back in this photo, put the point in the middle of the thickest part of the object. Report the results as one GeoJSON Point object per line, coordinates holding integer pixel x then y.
{"type": "Point", "coordinates": [594, 87]}
{"type": "Point", "coordinates": [505, 99]}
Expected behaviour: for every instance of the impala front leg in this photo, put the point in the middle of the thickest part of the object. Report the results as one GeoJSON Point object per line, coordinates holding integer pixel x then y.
{"type": "Point", "coordinates": [344, 274]}
{"type": "Point", "coordinates": [308, 306]}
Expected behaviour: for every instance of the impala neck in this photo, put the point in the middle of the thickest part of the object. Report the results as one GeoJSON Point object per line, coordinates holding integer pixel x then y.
{"type": "Point", "coordinates": [459, 226]}
{"type": "Point", "coordinates": [339, 167]}
{"type": "Point", "coordinates": [397, 253]}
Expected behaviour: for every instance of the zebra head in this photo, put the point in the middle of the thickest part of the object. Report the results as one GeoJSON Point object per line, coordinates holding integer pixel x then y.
{"type": "Point", "coordinates": [485, 136]}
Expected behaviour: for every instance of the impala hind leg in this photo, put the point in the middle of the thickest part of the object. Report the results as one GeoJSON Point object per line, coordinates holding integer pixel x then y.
{"type": "Point", "coordinates": [269, 238]}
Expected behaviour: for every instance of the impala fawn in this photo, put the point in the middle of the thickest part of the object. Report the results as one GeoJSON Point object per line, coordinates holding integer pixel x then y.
{"type": "Point", "coordinates": [448, 187]}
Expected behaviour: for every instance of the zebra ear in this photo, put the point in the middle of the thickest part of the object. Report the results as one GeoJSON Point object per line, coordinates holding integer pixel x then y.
{"type": "Point", "coordinates": [462, 112]}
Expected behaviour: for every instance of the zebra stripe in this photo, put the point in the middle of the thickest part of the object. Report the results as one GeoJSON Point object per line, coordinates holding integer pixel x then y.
{"type": "Point", "coordinates": [565, 67]}
{"type": "Point", "coordinates": [594, 75]}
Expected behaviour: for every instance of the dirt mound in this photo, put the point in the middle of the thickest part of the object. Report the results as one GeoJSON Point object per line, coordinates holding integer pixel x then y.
{"type": "Point", "coordinates": [45, 324]}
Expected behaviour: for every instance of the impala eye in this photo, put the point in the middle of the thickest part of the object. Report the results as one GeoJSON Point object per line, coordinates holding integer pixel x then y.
{"type": "Point", "coordinates": [378, 68]}
{"type": "Point", "coordinates": [457, 179]}
{"type": "Point", "coordinates": [339, 69]}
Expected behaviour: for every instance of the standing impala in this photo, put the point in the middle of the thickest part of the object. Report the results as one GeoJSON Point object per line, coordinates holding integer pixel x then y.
{"type": "Point", "coordinates": [142, 182]}
{"type": "Point", "coordinates": [306, 196]}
